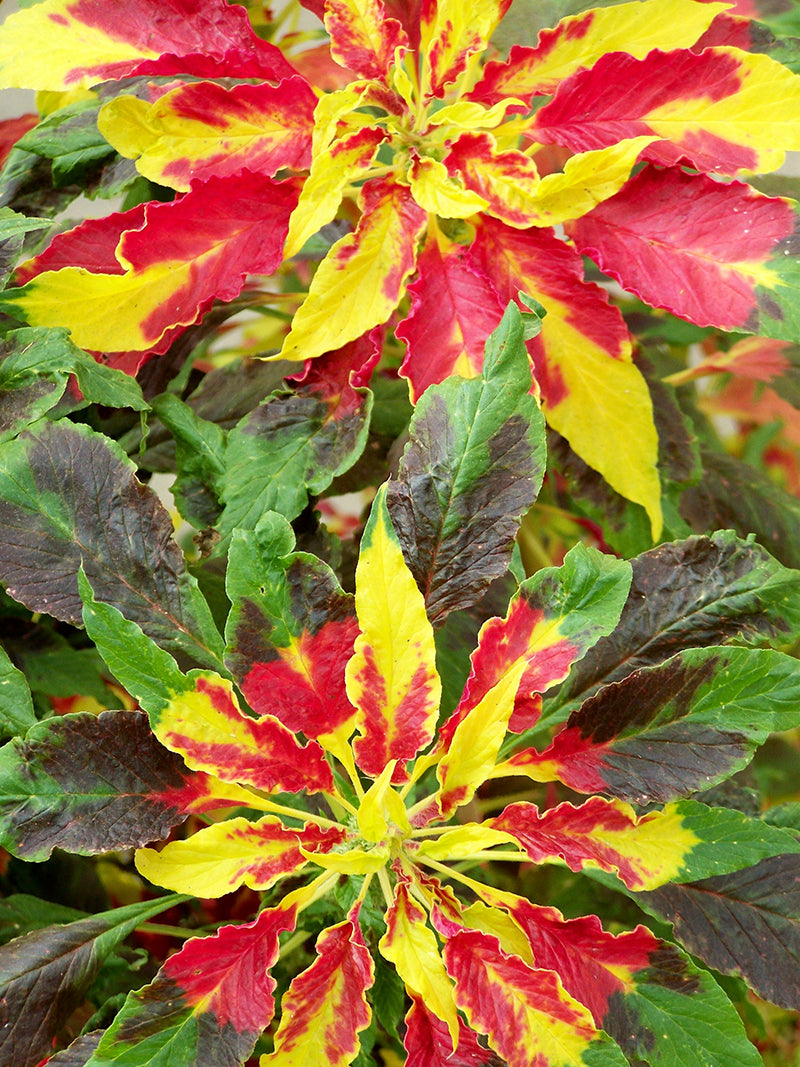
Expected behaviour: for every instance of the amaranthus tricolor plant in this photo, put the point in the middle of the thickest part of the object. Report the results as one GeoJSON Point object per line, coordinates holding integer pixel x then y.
{"type": "Point", "coordinates": [497, 781]}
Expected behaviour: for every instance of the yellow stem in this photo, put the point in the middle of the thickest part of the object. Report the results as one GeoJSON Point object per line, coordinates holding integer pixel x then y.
{"type": "Point", "coordinates": [263, 804]}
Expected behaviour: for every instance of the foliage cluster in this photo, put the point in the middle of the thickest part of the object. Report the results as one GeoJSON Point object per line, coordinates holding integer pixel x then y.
{"type": "Point", "coordinates": [449, 713]}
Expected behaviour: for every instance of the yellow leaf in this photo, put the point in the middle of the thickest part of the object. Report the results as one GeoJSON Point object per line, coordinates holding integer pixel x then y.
{"type": "Point", "coordinates": [440, 194]}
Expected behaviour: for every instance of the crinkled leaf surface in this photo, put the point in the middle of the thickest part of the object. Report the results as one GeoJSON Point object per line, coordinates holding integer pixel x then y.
{"type": "Point", "coordinates": [473, 465]}
{"type": "Point", "coordinates": [745, 923]}
{"type": "Point", "coordinates": [69, 497]}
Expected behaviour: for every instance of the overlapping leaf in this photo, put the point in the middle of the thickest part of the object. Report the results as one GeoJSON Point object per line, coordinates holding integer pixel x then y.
{"type": "Point", "coordinates": [473, 464]}
{"type": "Point", "coordinates": [165, 275]}
{"type": "Point", "coordinates": [391, 678]}
{"type": "Point", "coordinates": [89, 784]}
{"type": "Point", "coordinates": [295, 444]}
{"type": "Point", "coordinates": [592, 393]}
{"type": "Point", "coordinates": [46, 973]}
{"type": "Point", "coordinates": [202, 129]}
{"type": "Point", "coordinates": [82, 44]}
{"type": "Point", "coordinates": [429, 1044]}
{"type": "Point", "coordinates": [684, 842]}
{"type": "Point", "coordinates": [290, 632]}
{"type": "Point", "coordinates": [714, 254]}
{"type": "Point", "coordinates": [454, 308]}
{"type": "Point", "coordinates": [363, 39]}
{"type": "Point", "coordinates": [579, 41]}
{"type": "Point", "coordinates": [361, 280]}
{"type": "Point", "coordinates": [635, 985]}
{"type": "Point", "coordinates": [493, 989]}
{"type": "Point", "coordinates": [685, 594]}
{"type": "Point", "coordinates": [726, 111]}
{"type": "Point", "coordinates": [324, 1008]}
{"type": "Point", "coordinates": [207, 1004]}
{"type": "Point", "coordinates": [70, 498]}
{"type": "Point", "coordinates": [671, 729]}
{"type": "Point", "coordinates": [745, 923]}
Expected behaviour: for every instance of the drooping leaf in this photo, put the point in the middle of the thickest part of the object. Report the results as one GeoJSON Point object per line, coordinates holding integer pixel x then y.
{"type": "Point", "coordinates": [527, 1014]}
{"type": "Point", "coordinates": [391, 678]}
{"type": "Point", "coordinates": [202, 129]}
{"type": "Point", "coordinates": [164, 274]}
{"type": "Point", "coordinates": [16, 706]}
{"type": "Point", "coordinates": [734, 494]}
{"type": "Point", "coordinates": [683, 842]}
{"type": "Point", "coordinates": [361, 280]}
{"type": "Point", "coordinates": [685, 595]}
{"type": "Point", "coordinates": [226, 855]}
{"type": "Point", "coordinates": [207, 1004]}
{"type": "Point", "coordinates": [454, 308]}
{"type": "Point", "coordinates": [295, 444]}
{"type": "Point", "coordinates": [745, 923]}
{"type": "Point", "coordinates": [473, 464]}
{"type": "Point", "coordinates": [83, 44]}
{"type": "Point", "coordinates": [591, 391]}
{"type": "Point", "coordinates": [325, 1008]}
{"type": "Point", "coordinates": [577, 42]}
{"type": "Point", "coordinates": [93, 783]}
{"type": "Point", "coordinates": [636, 987]}
{"type": "Point", "coordinates": [672, 729]}
{"type": "Point", "coordinates": [727, 111]}
{"type": "Point", "coordinates": [69, 497]}
{"type": "Point", "coordinates": [290, 631]}
{"type": "Point", "coordinates": [714, 254]}
{"type": "Point", "coordinates": [44, 976]}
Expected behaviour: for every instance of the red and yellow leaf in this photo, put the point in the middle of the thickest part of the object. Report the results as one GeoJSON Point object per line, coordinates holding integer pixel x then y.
{"type": "Point", "coordinates": [644, 851]}
{"type": "Point", "coordinates": [223, 856]}
{"type": "Point", "coordinates": [708, 252]}
{"type": "Point", "coordinates": [332, 168]}
{"type": "Point", "coordinates": [525, 1011]}
{"type": "Point", "coordinates": [202, 129]}
{"type": "Point", "coordinates": [506, 181]}
{"type": "Point", "coordinates": [429, 1044]}
{"type": "Point", "coordinates": [206, 726]}
{"type": "Point", "coordinates": [324, 1008]}
{"type": "Point", "coordinates": [82, 42]}
{"type": "Point", "coordinates": [451, 32]}
{"type": "Point", "coordinates": [363, 39]}
{"type": "Point", "coordinates": [592, 393]}
{"type": "Point", "coordinates": [391, 677]}
{"type": "Point", "coordinates": [578, 42]}
{"type": "Point", "coordinates": [454, 308]}
{"type": "Point", "coordinates": [186, 254]}
{"type": "Point", "coordinates": [410, 944]}
{"type": "Point", "coordinates": [210, 1000]}
{"type": "Point", "coordinates": [726, 111]}
{"type": "Point", "coordinates": [361, 280]}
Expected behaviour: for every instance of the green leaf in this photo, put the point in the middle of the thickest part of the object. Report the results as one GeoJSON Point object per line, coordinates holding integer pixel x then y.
{"type": "Point", "coordinates": [13, 228]}
{"type": "Point", "coordinates": [70, 138]}
{"type": "Point", "coordinates": [20, 913]}
{"type": "Point", "coordinates": [44, 976]}
{"type": "Point", "coordinates": [16, 706]}
{"type": "Point", "coordinates": [69, 497]}
{"type": "Point", "coordinates": [746, 923]}
{"type": "Point", "coordinates": [474, 463]}
{"type": "Point", "coordinates": [91, 783]}
{"type": "Point", "coordinates": [685, 595]}
{"type": "Point", "coordinates": [736, 495]}
{"type": "Point", "coordinates": [296, 443]}
{"type": "Point", "coordinates": [199, 452]}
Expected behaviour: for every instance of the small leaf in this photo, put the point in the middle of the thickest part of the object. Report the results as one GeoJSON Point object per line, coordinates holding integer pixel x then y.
{"type": "Point", "coordinates": [16, 706]}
